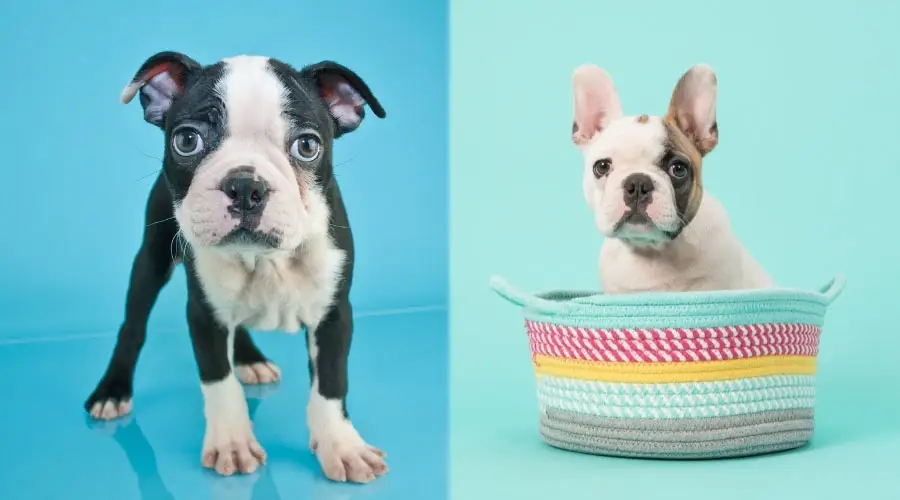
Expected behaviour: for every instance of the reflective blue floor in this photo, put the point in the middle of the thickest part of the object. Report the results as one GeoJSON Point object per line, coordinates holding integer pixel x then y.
{"type": "Point", "coordinates": [50, 449]}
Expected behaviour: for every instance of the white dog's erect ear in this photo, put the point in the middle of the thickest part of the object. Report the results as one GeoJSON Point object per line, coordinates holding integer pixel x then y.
{"type": "Point", "coordinates": [693, 107]}
{"type": "Point", "coordinates": [596, 102]}
{"type": "Point", "coordinates": [345, 94]}
{"type": "Point", "coordinates": [159, 80]}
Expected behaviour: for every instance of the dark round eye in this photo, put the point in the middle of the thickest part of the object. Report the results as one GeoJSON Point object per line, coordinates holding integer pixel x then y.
{"type": "Point", "coordinates": [601, 167]}
{"type": "Point", "coordinates": [187, 141]}
{"type": "Point", "coordinates": [306, 148]}
{"type": "Point", "coordinates": [678, 169]}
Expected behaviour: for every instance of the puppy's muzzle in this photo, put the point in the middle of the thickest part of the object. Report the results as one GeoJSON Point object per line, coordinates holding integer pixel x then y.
{"type": "Point", "coordinates": [247, 192]}
{"type": "Point", "coordinates": [637, 191]}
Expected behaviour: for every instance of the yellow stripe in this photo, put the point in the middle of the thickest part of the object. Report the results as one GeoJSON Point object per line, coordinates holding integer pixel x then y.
{"type": "Point", "coordinates": [655, 373]}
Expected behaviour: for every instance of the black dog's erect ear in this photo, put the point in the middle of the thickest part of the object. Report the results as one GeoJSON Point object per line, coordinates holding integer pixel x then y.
{"type": "Point", "coordinates": [344, 92]}
{"type": "Point", "coordinates": [160, 80]}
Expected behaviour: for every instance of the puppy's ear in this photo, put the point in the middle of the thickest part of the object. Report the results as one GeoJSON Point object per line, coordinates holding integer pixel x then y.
{"type": "Point", "coordinates": [344, 92]}
{"type": "Point", "coordinates": [160, 80]}
{"type": "Point", "coordinates": [596, 102]}
{"type": "Point", "coordinates": [693, 107]}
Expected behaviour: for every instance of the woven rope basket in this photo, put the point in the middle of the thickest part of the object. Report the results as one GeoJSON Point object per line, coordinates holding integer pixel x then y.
{"type": "Point", "coordinates": [675, 375]}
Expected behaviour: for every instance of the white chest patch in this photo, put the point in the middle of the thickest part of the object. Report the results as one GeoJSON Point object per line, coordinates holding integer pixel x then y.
{"type": "Point", "coordinates": [282, 292]}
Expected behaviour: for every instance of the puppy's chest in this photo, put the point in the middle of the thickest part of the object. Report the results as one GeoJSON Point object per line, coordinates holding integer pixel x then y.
{"type": "Point", "coordinates": [723, 266]}
{"type": "Point", "coordinates": [279, 293]}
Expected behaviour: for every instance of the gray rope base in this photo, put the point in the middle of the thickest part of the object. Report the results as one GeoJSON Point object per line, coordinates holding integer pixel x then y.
{"type": "Point", "coordinates": [700, 438]}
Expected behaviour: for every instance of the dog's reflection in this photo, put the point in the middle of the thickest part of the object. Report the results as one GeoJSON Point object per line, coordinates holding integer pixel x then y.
{"type": "Point", "coordinates": [127, 433]}
{"type": "Point", "coordinates": [129, 436]}
{"type": "Point", "coordinates": [260, 485]}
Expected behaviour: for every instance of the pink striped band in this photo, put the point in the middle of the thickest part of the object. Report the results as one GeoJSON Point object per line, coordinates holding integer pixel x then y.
{"type": "Point", "coordinates": [618, 344]}
{"type": "Point", "coordinates": [724, 332]}
{"type": "Point", "coordinates": [661, 345]}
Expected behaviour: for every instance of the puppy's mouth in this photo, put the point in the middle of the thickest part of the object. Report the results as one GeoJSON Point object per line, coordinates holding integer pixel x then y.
{"type": "Point", "coordinates": [246, 238]}
{"type": "Point", "coordinates": [637, 229]}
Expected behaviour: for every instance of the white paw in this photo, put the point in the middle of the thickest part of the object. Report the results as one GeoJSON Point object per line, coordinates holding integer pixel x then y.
{"type": "Point", "coordinates": [230, 446]}
{"type": "Point", "coordinates": [259, 373]}
{"type": "Point", "coordinates": [344, 456]}
{"type": "Point", "coordinates": [110, 410]}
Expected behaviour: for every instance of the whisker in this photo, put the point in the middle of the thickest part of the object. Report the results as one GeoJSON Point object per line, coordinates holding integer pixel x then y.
{"type": "Point", "coordinates": [183, 245]}
{"type": "Point", "coordinates": [160, 221]}
{"type": "Point", "coordinates": [178, 245]}
{"type": "Point", "coordinates": [152, 157]}
{"type": "Point", "coordinates": [172, 246]}
{"type": "Point", "coordinates": [348, 160]}
{"type": "Point", "coordinates": [148, 155]}
{"type": "Point", "coordinates": [148, 175]}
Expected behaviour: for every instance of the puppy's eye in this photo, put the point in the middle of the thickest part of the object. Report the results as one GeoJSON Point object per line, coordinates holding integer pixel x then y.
{"type": "Point", "coordinates": [187, 141]}
{"type": "Point", "coordinates": [601, 167]}
{"type": "Point", "coordinates": [306, 148]}
{"type": "Point", "coordinates": [678, 169]}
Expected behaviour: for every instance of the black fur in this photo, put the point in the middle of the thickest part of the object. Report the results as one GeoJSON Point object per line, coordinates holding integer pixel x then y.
{"type": "Point", "coordinates": [197, 106]}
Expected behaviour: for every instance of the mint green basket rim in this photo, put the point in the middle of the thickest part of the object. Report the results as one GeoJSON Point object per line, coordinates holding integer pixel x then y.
{"type": "Point", "coordinates": [573, 301]}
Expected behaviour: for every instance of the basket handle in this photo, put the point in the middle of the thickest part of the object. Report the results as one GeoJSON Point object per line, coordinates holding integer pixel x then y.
{"type": "Point", "coordinates": [520, 298]}
{"type": "Point", "coordinates": [833, 289]}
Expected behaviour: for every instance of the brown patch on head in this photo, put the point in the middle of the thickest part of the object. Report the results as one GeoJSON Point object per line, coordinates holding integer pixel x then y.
{"type": "Point", "coordinates": [679, 142]}
{"type": "Point", "coordinates": [643, 119]}
{"type": "Point", "coordinates": [681, 147]}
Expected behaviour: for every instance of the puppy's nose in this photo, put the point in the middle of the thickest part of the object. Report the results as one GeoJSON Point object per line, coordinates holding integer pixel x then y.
{"type": "Point", "coordinates": [248, 192]}
{"type": "Point", "coordinates": [637, 189]}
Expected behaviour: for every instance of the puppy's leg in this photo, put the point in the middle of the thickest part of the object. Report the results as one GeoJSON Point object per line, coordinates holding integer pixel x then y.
{"type": "Point", "coordinates": [342, 452]}
{"type": "Point", "coordinates": [229, 445]}
{"type": "Point", "coordinates": [251, 365]}
{"type": "Point", "coordinates": [151, 270]}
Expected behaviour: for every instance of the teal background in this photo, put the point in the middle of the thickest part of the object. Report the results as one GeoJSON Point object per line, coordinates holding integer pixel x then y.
{"type": "Point", "coordinates": [806, 167]}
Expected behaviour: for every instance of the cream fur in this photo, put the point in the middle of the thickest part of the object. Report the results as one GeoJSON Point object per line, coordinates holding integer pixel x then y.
{"type": "Point", "coordinates": [706, 256]}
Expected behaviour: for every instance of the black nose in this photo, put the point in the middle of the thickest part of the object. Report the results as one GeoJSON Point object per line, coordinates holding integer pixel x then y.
{"type": "Point", "coordinates": [248, 192]}
{"type": "Point", "coordinates": [637, 189]}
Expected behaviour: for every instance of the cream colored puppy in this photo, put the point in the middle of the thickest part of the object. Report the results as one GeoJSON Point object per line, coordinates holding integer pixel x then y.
{"type": "Point", "coordinates": [643, 181]}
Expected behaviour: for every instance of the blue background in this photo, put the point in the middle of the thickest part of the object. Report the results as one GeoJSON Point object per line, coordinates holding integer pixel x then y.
{"type": "Point", "coordinates": [806, 166]}
{"type": "Point", "coordinates": [78, 166]}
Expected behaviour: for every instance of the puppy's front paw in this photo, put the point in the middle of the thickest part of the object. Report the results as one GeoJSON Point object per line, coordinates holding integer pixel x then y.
{"type": "Point", "coordinates": [265, 372]}
{"type": "Point", "coordinates": [230, 446]}
{"type": "Point", "coordinates": [111, 398]}
{"type": "Point", "coordinates": [344, 456]}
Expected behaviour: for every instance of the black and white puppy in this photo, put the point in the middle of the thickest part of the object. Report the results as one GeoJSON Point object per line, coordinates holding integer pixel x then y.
{"type": "Point", "coordinates": [248, 200]}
